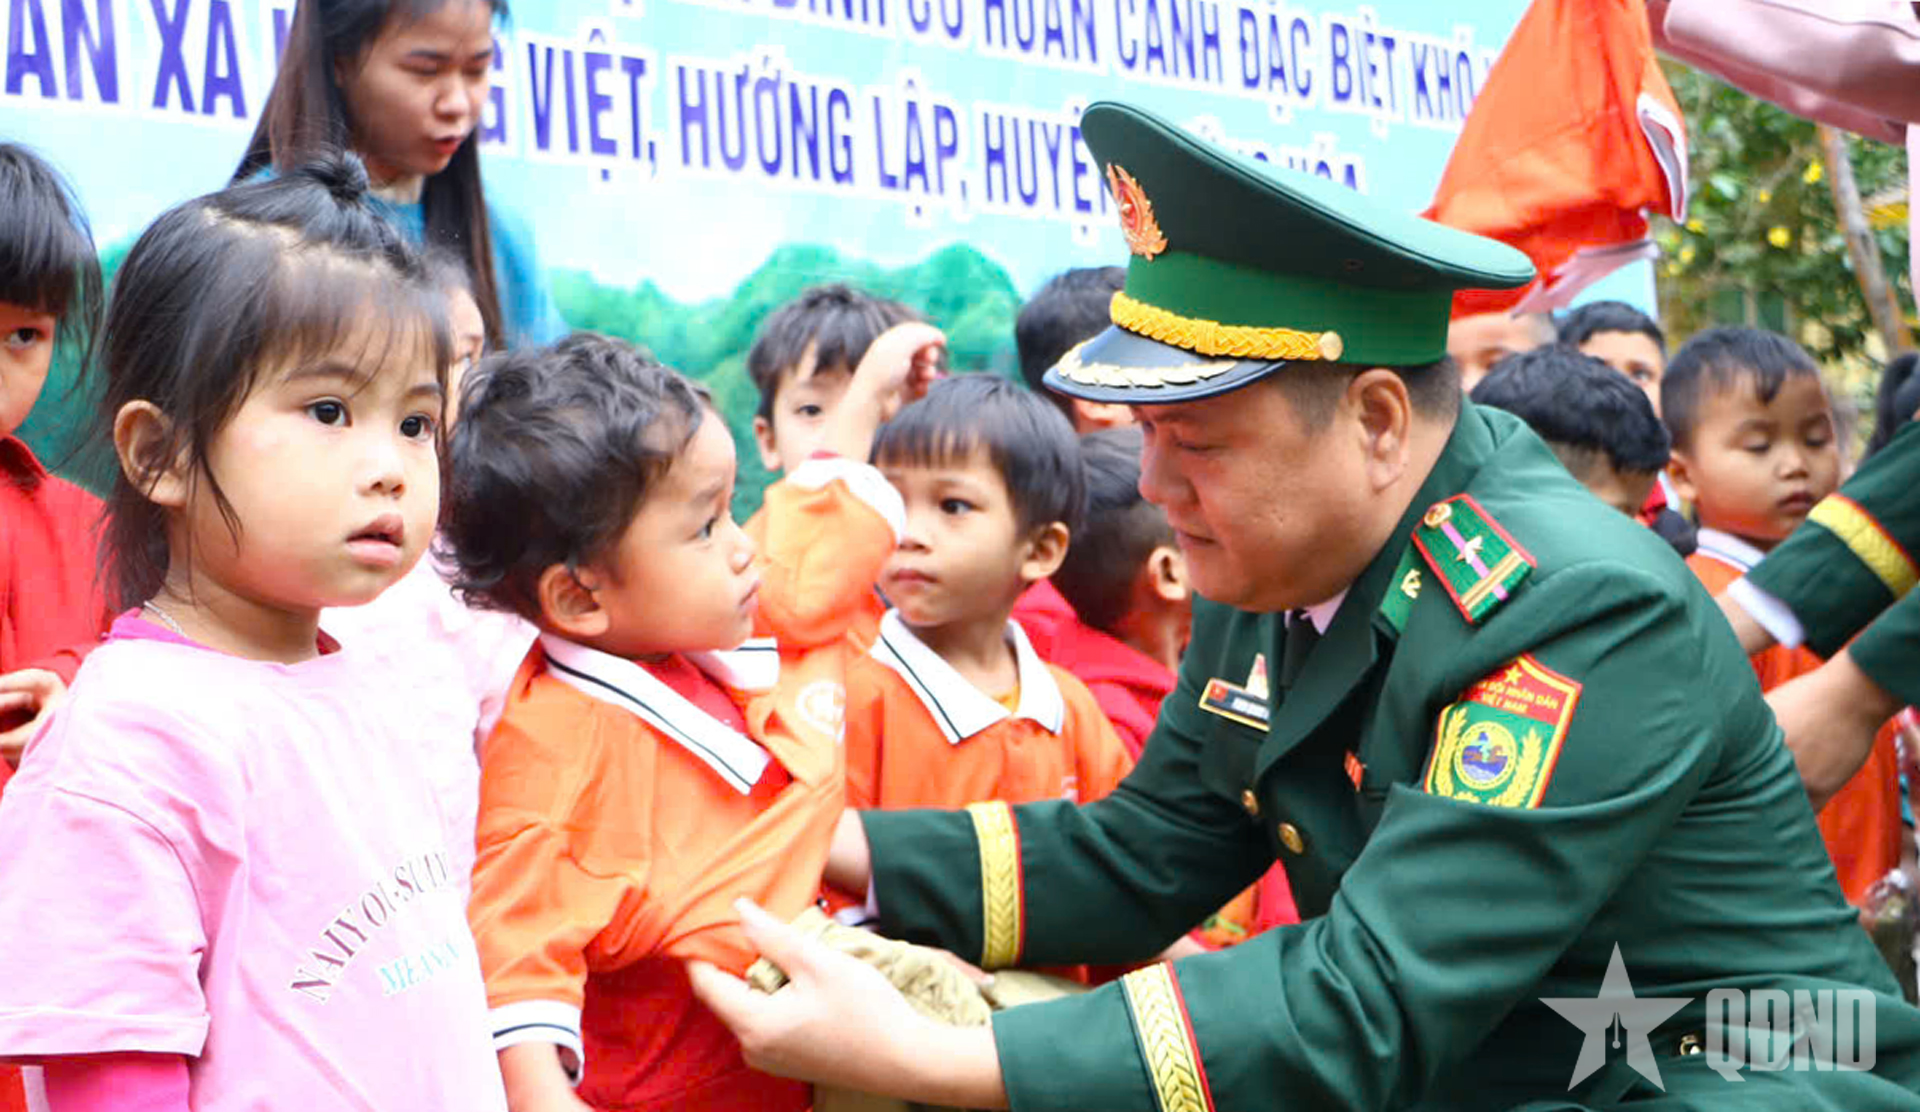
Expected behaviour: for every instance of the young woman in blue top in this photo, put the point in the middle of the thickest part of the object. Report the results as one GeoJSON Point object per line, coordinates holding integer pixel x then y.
{"type": "Point", "coordinates": [402, 83]}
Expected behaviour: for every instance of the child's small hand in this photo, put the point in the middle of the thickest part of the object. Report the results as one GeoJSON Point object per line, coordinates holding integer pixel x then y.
{"type": "Point", "coordinates": [898, 367]}
{"type": "Point", "coordinates": [901, 364]}
{"type": "Point", "coordinates": [33, 691]}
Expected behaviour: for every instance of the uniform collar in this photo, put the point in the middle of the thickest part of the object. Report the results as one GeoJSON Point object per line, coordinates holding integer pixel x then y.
{"type": "Point", "coordinates": [1322, 614]}
{"type": "Point", "coordinates": [738, 759]}
{"type": "Point", "coordinates": [1728, 548]}
{"type": "Point", "coordinates": [960, 709]}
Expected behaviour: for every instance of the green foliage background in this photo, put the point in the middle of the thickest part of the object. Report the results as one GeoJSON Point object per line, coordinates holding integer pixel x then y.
{"type": "Point", "coordinates": [1763, 244]}
{"type": "Point", "coordinates": [957, 288]}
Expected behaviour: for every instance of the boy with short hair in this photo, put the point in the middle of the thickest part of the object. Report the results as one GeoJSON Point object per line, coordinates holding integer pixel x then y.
{"type": "Point", "coordinates": [1127, 583]}
{"type": "Point", "coordinates": [1623, 338]}
{"type": "Point", "coordinates": [1479, 340]}
{"type": "Point", "coordinates": [802, 360]}
{"type": "Point", "coordinates": [1753, 451]}
{"type": "Point", "coordinates": [1594, 420]}
{"type": "Point", "coordinates": [1073, 307]}
{"type": "Point", "coordinates": [952, 705]}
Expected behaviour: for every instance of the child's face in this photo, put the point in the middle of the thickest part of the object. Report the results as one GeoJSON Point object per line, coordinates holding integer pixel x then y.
{"type": "Point", "coordinates": [418, 89]}
{"type": "Point", "coordinates": [962, 555]}
{"type": "Point", "coordinates": [1755, 470]}
{"type": "Point", "coordinates": [1633, 354]}
{"type": "Point", "coordinates": [469, 330]}
{"type": "Point", "coordinates": [804, 399]}
{"type": "Point", "coordinates": [681, 578]}
{"type": "Point", "coordinates": [334, 480]}
{"type": "Point", "coordinates": [26, 350]}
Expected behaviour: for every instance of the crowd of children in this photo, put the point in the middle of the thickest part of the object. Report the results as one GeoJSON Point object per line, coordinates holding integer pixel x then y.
{"type": "Point", "coordinates": [445, 695]}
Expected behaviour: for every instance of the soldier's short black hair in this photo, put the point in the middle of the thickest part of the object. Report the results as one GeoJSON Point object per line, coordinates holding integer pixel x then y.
{"type": "Point", "coordinates": [841, 322]}
{"type": "Point", "coordinates": [1071, 308]}
{"type": "Point", "coordinates": [1724, 359]}
{"type": "Point", "coordinates": [1122, 529]}
{"type": "Point", "coordinates": [1595, 317]}
{"type": "Point", "coordinates": [553, 456]}
{"type": "Point", "coordinates": [1582, 408]}
{"type": "Point", "coordinates": [1028, 441]}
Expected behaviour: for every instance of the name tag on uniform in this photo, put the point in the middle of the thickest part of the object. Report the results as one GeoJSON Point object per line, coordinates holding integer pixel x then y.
{"type": "Point", "coordinates": [1245, 703]}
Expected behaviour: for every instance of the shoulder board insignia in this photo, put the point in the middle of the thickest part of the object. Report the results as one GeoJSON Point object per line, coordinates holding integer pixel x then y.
{"type": "Point", "coordinates": [1475, 560]}
{"type": "Point", "coordinates": [1499, 744]}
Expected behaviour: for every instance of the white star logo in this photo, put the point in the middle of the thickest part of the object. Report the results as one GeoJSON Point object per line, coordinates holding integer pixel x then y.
{"type": "Point", "coordinates": [1616, 1002]}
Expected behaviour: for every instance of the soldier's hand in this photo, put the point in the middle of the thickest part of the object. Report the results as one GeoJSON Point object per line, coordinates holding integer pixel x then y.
{"type": "Point", "coordinates": [838, 1022]}
{"type": "Point", "coordinates": [1830, 717]}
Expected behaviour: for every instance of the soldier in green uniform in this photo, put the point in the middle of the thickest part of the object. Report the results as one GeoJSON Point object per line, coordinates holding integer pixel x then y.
{"type": "Point", "coordinates": [1842, 585]}
{"type": "Point", "coordinates": [1531, 803]}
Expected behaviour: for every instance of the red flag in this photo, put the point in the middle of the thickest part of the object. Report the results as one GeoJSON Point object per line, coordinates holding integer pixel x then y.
{"type": "Point", "coordinates": [1574, 136]}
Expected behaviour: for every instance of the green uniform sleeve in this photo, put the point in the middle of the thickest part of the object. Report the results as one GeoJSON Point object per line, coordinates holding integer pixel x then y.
{"type": "Point", "coordinates": [1450, 917]}
{"type": "Point", "coordinates": [1111, 881]}
{"type": "Point", "coordinates": [1889, 650]}
{"type": "Point", "coordinates": [1852, 557]}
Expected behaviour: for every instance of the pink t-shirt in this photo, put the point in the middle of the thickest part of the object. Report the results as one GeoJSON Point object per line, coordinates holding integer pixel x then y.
{"type": "Point", "coordinates": [245, 863]}
{"type": "Point", "coordinates": [458, 663]}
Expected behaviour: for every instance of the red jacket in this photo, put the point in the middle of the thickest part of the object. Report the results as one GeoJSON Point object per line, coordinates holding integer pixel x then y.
{"type": "Point", "coordinates": [1126, 682]}
{"type": "Point", "coordinates": [52, 607]}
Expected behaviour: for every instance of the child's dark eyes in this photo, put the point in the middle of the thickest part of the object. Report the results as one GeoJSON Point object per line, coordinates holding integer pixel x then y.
{"type": "Point", "coordinates": [417, 427]}
{"type": "Point", "coordinates": [328, 413]}
{"type": "Point", "coordinates": [809, 410]}
{"type": "Point", "coordinates": [24, 337]}
{"type": "Point", "coordinates": [955, 506]}
{"type": "Point", "coordinates": [706, 531]}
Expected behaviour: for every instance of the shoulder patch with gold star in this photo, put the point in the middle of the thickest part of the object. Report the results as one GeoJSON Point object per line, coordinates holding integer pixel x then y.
{"type": "Point", "coordinates": [1476, 560]}
{"type": "Point", "coordinates": [1498, 745]}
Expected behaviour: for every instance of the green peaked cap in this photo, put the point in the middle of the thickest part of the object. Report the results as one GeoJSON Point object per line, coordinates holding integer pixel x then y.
{"type": "Point", "coordinates": [1240, 268]}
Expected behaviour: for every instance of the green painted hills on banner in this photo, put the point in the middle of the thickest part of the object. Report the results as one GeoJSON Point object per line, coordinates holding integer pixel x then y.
{"type": "Point", "coordinates": [957, 288]}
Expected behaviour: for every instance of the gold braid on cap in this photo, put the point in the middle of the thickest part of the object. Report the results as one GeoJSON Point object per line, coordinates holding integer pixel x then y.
{"type": "Point", "coordinates": [1210, 337]}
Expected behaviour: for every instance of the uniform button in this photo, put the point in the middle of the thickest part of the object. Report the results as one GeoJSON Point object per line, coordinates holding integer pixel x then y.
{"type": "Point", "coordinates": [1251, 802]}
{"type": "Point", "coordinates": [1292, 839]}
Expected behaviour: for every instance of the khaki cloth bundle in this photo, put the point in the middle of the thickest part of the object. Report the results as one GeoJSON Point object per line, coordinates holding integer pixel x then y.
{"type": "Point", "coordinates": [933, 984]}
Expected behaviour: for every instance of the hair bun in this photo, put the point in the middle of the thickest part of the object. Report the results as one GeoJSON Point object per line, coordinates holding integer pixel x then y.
{"type": "Point", "coordinates": [340, 173]}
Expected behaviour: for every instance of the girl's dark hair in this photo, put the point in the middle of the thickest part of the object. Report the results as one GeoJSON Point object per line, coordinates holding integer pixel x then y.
{"type": "Point", "coordinates": [228, 288]}
{"type": "Point", "coordinates": [1896, 400]}
{"type": "Point", "coordinates": [553, 455]}
{"type": "Point", "coordinates": [306, 114]}
{"type": "Point", "coordinates": [47, 258]}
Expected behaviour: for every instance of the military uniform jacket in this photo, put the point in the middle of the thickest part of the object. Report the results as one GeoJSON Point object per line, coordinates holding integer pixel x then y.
{"type": "Point", "coordinates": [1488, 774]}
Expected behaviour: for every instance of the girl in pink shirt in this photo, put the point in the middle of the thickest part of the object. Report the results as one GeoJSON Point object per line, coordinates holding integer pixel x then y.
{"type": "Point", "coordinates": [230, 883]}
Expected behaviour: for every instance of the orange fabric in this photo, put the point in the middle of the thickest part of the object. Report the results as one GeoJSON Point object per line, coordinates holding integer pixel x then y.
{"type": "Point", "coordinates": [1553, 157]}
{"type": "Point", "coordinates": [609, 853]}
{"type": "Point", "coordinates": [1861, 823]}
{"type": "Point", "coordinates": [898, 758]}
{"type": "Point", "coordinates": [859, 615]}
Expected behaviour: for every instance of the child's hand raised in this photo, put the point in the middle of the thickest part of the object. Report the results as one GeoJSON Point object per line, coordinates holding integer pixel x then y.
{"type": "Point", "coordinates": [899, 367]}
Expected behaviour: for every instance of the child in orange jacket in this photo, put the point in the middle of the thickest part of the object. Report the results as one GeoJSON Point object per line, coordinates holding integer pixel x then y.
{"type": "Point", "coordinates": [641, 778]}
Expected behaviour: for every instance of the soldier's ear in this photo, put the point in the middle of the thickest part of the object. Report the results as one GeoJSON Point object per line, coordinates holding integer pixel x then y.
{"type": "Point", "coordinates": [1383, 419]}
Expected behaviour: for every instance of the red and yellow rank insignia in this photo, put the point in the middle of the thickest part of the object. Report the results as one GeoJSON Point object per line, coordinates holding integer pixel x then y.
{"type": "Point", "coordinates": [1136, 214]}
{"type": "Point", "coordinates": [1498, 745]}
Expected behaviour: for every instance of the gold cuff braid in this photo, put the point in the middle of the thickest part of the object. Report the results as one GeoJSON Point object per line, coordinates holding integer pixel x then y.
{"type": "Point", "coordinates": [1166, 1045]}
{"type": "Point", "coordinates": [1868, 541]}
{"type": "Point", "coordinates": [999, 883]}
